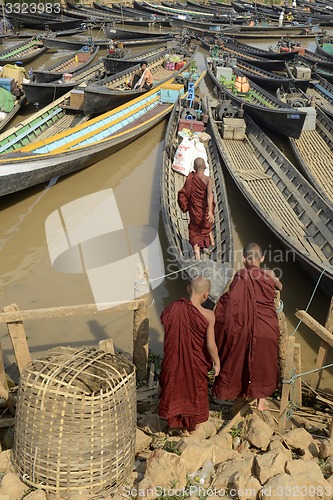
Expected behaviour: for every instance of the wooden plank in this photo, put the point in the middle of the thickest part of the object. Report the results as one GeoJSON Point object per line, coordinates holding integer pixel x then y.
{"type": "Point", "coordinates": [64, 311]}
{"type": "Point", "coordinates": [323, 349]}
{"type": "Point", "coordinates": [3, 376]}
{"type": "Point", "coordinates": [141, 340]}
{"type": "Point", "coordinates": [7, 422]}
{"type": "Point", "coordinates": [239, 415]}
{"type": "Point", "coordinates": [290, 343]}
{"type": "Point", "coordinates": [151, 376]}
{"type": "Point", "coordinates": [19, 340]}
{"type": "Point", "coordinates": [106, 345]}
{"type": "Point", "coordinates": [320, 330]}
{"type": "Point", "coordinates": [296, 388]}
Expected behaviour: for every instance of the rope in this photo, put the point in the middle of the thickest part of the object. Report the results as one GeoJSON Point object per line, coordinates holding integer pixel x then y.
{"type": "Point", "coordinates": [294, 377]}
{"type": "Point", "coordinates": [312, 295]}
{"type": "Point", "coordinates": [174, 272]}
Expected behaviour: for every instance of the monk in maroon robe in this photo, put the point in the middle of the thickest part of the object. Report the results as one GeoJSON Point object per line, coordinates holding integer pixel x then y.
{"type": "Point", "coordinates": [196, 198]}
{"type": "Point", "coordinates": [189, 348]}
{"type": "Point", "coordinates": [247, 333]}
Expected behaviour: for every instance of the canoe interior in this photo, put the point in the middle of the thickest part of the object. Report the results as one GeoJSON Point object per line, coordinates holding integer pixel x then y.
{"type": "Point", "coordinates": [219, 266]}
{"type": "Point", "coordinates": [281, 196]}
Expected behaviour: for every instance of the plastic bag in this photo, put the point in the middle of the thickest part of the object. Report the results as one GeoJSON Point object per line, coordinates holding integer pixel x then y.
{"type": "Point", "coordinates": [183, 160]}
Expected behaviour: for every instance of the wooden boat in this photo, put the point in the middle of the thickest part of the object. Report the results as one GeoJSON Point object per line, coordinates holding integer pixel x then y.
{"type": "Point", "coordinates": [300, 34]}
{"type": "Point", "coordinates": [263, 107]}
{"type": "Point", "coordinates": [114, 90]}
{"type": "Point", "coordinates": [321, 91]}
{"type": "Point", "coordinates": [219, 265]}
{"type": "Point", "coordinates": [87, 143]}
{"type": "Point", "coordinates": [44, 93]}
{"type": "Point", "coordinates": [249, 49]}
{"type": "Point", "coordinates": [47, 121]}
{"type": "Point", "coordinates": [317, 167]}
{"type": "Point", "coordinates": [282, 197]}
{"type": "Point", "coordinates": [324, 46]}
{"type": "Point", "coordinates": [66, 44]}
{"type": "Point", "coordinates": [20, 101]}
{"type": "Point", "coordinates": [219, 50]}
{"type": "Point", "coordinates": [117, 33]}
{"type": "Point", "coordinates": [114, 65]}
{"type": "Point", "coordinates": [40, 21]}
{"type": "Point", "coordinates": [70, 64]}
{"type": "Point", "coordinates": [136, 15]}
{"type": "Point", "coordinates": [24, 52]}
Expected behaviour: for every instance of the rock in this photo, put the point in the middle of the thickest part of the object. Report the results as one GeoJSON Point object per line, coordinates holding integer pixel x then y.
{"type": "Point", "coordinates": [12, 486]}
{"type": "Point", "coordinates": [326, 448]}
{"type": "Point", "coordinates": [220, 455]}
{"type": "Point", "coordinates": [223, 440]}
{"type": "Point", "coordinates": [309, 468]}
{"type": "Point", "coordinates": [278, 447]}
{"type": "Point", "coordinates": [36, 495]}
{"type": "Point", "coordinates": [142, 441]}
{"type": "Point", "coordinates": [204, 430]}
{"type": "Point", "coordinates": [268, 465]}
{"type": "Point", "coordinates": [257, 432]}
{"type": "Point", "coordinates": [152, 423]}
{"type": "Point", "coordinates": [297, 487]}
{"type": "Point", "coordinates": [194, 455]}
{"type": "Point", "coordinates": [163, 469]}
{"type": "Point", "coordinates": [247, 486]}
{"type": "Point", "coordinates": [226, 471]}
{"type": "Point", "coordinates": [302, 443]}
{"type": "Point", "coordinates": [5, 461]}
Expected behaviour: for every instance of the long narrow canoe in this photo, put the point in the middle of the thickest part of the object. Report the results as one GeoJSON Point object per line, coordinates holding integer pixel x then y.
{"type": "Point", "coordinates": [117, 33]}
{"type": "Point", "coordinates": [322, 91]}
{"type": "Point", "coordinates": [219, 265]}
{"type": "Point", "coordinates": [67, 44]}
{"type": "Point", "coordinates": [282, 197]}
{"type": "Point", "coordinates": [24, 52]}
{"type": "Point", "coordinates": [114, 64]}
{"type": "Point", "coordinates": [70, 64]}
{"type": "Point", "coordinates": [87, 143]}
{"type": "Point", "coordinates": [263, 107]}
{"type": "Point", "coordinates": [324, 46]}
{"type": "Point", "coordinates": [114, 90]}
{"type": "Point", "coordinates": [317, 167]}
{"type": "Point", "coordinates": [47, 121]}
{"type": "Point", "coordinates": [20, 101]}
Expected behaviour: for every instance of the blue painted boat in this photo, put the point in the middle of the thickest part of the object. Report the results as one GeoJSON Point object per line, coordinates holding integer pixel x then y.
{"type": "Point", "coordinates": [89, 142]}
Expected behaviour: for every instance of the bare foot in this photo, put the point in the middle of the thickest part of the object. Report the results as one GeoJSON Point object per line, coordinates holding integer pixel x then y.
{"type": "Point", "coordinates": [196, 249]}
{"type": "Point", "coordinates": [261, 404]}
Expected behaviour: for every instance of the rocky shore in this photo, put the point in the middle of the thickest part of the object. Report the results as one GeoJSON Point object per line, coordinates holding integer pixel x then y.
{"type": "Point", "coordinates": [251, 461]}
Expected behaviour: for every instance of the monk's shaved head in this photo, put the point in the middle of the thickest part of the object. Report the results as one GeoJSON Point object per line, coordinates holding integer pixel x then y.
{"type": "Point", "coordinates": [200, 285]}
{"type": "Point", "coordinates": [252, 251]}
{"type": "Point", "coordinates": [199, 164]}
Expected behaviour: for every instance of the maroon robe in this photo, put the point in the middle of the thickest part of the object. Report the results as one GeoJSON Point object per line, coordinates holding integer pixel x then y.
{"type": "Point", "coordinates": [247, 337]}
{"type": "Point", "coordinates": [193, 197]}
{"type": "Point", "coordinates": [186, 362]}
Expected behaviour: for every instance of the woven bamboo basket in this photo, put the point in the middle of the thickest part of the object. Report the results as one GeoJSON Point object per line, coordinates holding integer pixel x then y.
{"type": "Point", "coordinates": [75, 422]}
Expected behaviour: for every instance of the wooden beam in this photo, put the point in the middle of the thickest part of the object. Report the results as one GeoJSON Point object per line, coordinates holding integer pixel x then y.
{"type": "Point", "coordinates": [106, 345]}
{"type": "Point", "coordinates": [235, 419]}
{"type": "Point", "coordinates": [141, 339]}
{"type": "Point", "coordinates": [290, 343]}
{"type": "Point", "coordinates": [296, 387]}
{"type": "Point", "coordinates": [3, 376]}
{"type": "Point", "coordinates": [323, 350]}
{"type": "Point", "coordinates": [315, 326]}
{"type": "Point", "coordinates": [64, 311]}
{"type": "Point", "coordinates": [19, 339]}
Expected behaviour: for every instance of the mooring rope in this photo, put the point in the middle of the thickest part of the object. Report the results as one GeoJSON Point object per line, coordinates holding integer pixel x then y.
{"type": "Point", "coordinates": [312, 295]}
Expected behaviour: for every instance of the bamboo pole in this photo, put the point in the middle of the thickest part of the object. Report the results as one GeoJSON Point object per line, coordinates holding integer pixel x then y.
{"type": "Point", "coordinates": [290, 344]}
{"type": "Point", "coordinates": [19, 339]}
{"type": "Point", "coordinates": [64, 311]}
{"type": "Point", "coordinates": [323, 349]}
{"type": "Point", "coordinates": [314, 325]}
{"type": "Point", "coordinates": [296, 388]}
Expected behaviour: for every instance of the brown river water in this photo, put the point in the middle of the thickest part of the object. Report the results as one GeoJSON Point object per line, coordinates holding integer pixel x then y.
{"type": "Point", "coordinates": [133, 173]}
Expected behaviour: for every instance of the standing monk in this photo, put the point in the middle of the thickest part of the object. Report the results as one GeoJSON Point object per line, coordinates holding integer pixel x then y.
{"type": "Point", "coordinates": [189, 348]}
{"type": "Point", "coordinates": [247, 332]}
{"type": "Point", "coordinates": [196, 197]}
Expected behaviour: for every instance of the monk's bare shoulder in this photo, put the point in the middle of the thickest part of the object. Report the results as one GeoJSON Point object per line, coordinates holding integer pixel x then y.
{"type": "Point", "coordinates": [209, 315]}
{"type": "Point", "coordinates": [276, 280]}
